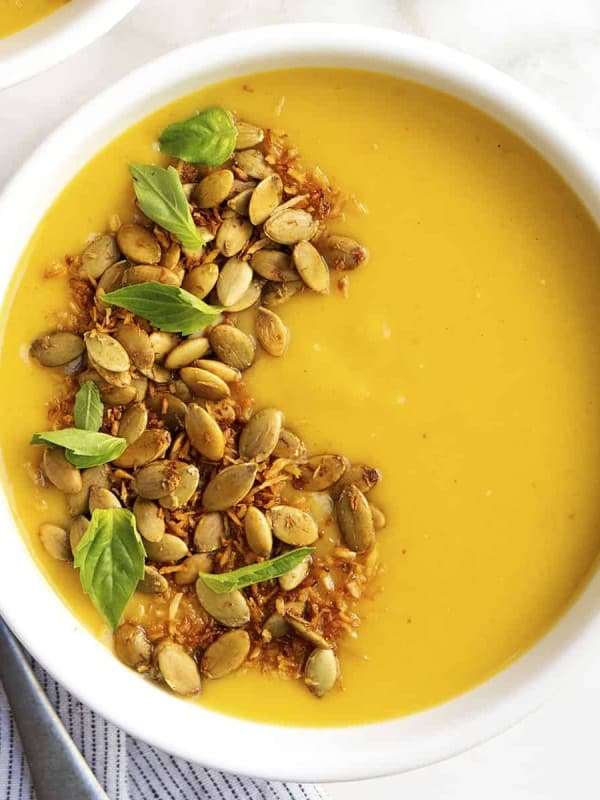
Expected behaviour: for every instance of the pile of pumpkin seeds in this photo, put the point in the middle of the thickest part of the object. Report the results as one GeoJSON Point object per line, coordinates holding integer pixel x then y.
{"type": "Point", "coordinates": [213, 482]}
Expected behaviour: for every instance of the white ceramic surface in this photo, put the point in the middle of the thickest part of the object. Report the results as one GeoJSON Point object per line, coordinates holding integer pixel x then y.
{"type": "Point", "coordinates": [57, 36]}
{"type": "Point", "coordinates": [90, 671]}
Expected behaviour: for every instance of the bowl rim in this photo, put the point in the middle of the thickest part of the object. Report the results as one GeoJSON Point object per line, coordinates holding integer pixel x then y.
{"type": "Point", "coordinates": [143, 710]}
{"type": "Point", "coordinates": [54, 38]}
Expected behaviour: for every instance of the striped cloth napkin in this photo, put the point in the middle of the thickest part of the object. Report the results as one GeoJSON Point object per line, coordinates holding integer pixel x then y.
{"type": "Point", "coordinates": [126, 768]}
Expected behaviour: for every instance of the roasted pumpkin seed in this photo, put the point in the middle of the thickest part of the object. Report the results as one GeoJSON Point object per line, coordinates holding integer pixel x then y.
{"type": "Point", "coordinates": [78, 502]}
{"type": "Point", "coordinates": [218, 368]}
{"type": "Point", "coordinates": [240, 203]}
{"type": "Point", "coordinates": [168, 549]}
{"type": "Point", "coordinates": [341, 252]}
{"type": "Point", "coordinates": [133, 422]}
{"type": "Point", "coordinates": [98, 256]}
{"type": "Point", "coordinates": [187, 351]}
{"type": "Point", "coordinates": [271, 333]}
{"type": "Point", "coordinates": [260, 435]}
{"type": "Point", "coordinates": [149, 519]}
{"type": "Point", "coordinates": [289, 446]}
{"type": "Point", "coordinates": [118, 395]}
{"type": "Point", "coordinates": [248, 135]}
{"type": "Point", "coordinates": [253, 164]}
{"type": "Point", "coordinates": [57, 348]}
{"type": "Point", "coordinates": [78, 527]}
{"type": "Point", "coordinates": [138, 244]}
{"type": "Point", "coordinates": [106, 352]}
{"type": "Point", "coordinates": [152, 444]}
{"type": "Point", "coordinates": [226, 654]}
{"type": "Point", "coordinates": [229, 487]}
{"type": "Point", "coordinates": [275, 294]}
{"type": "Point", "coordinates": [230, 609]}
{"type": "Point", "coordinates": [234, 281]}
{"type": "Point", "coordinates": [146, 273]}
{"type": "Point", "coordinates": [232, 346]}
{"type": "Point", "coordinates": [203, 383]}
{"type": "Point", "coordinates": [162, 343]}
{"type": "Point", "coordinates": [191, 567]}
{"type": "Point", "coordinates": [275, 627]}
{"type": "Point", "coordinates": [362, 476]}
{"type": "Point", "coordinates": [258, 532]}
{"type": "Point", "coordinates": [318, 473]}
{"type": "Point", "coordinates": [303, 629]}
{"type": "Point", "coordinates": [250, 297]}
{"type": "Point", "coordinates": [274, 265]}
{"type": "Point", "coordinates": [204, 433]}
{"type": "Point", "coordinates": [290, 226]}
{"type": "Point", "coordinates": [201, 280]}
{"type": "Point", "coordinates": [265, 199]}
{"type": "Point", "coordinates": [321, 671]}
{"type": "Point", "coordinates": [102, 498]}
{"type": "Point", "coordinates": [55, 541]}
{"type": "Point", "coordinates": [189, 478]}
{"type": "Point", "coordinates": [178, 668]}
{"type": "Point", "coordinates": [210, 532]}
{"type": "Point", "coordinates": [311, 267]}
{"type": "Point", "coordinates": [169, 408]}
{"type": "Point", "coordinates": [137, 343]}
{"type": "Point", "coordinates": [59, 472]}
{"type": "Point", "coordinates": [354, 519]}
{"type": "Point", "coordinates": [213, 189]}
{"type": "Point", "coordinates": [292, 579]}
{"type": "Point", "coordinates": [152, 582]}
{"type": "Point", "coordinates": [158, 479]}
{"type": "Point", "coordinates": [132, 646]}
{"type": "Point", "coordinates": [293, 526]}
{"type": "Point", "coordinates": [233, 235]}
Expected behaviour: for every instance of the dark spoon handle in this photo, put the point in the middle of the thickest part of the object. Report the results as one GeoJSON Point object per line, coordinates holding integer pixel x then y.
{"type": "Point", "coordinates": [57, 768]}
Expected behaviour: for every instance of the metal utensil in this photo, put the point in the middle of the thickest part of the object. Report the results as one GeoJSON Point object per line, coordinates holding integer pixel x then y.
{"type": "Point", "coordinates": [57, 768]}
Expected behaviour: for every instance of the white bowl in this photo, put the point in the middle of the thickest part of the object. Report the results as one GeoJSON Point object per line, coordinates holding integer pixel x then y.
{"type": "Point", "coordinates": [57, 36]}
{"type": "Point", "coordinates": [57, 639]}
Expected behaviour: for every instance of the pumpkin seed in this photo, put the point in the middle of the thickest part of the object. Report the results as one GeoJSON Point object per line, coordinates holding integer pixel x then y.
{"type": "Point", "coordinates": [321, 671]}
{"type": "Point", "coordinates": [226, 654]}
{"type": "Point", "coordinates": [58, 348]}
{"type": "Point", "coordinates": [106, 352]}
{"type": "Point", "coordinates": [230, 608]}
{"type": "Point", "coordinates": [138, 244]}
{"type": "Point", "coordinates": [229, 487]}
{"type": "Point", "coordinates": [152, 582]}
{"type": "Point", "coordinates": [274, 265]}
{"type": "Point", "coordinates": [191, 567]}
{"type": "Point", "coordinates": [362, 476]}
{"type": "Point", "coordinates": [169, 408]}
{"type": "Point", "coordinates": [132, 646]}
{"type": "Point", "coordinates": [379, 520]}
{"type": "Point", "coordinates": [214, 189]}
{"type": "Point", "coordinates": [261, 434]}
{"type": "Point", "coordinates": [59, 472]}
{"type": "Point", "coordinates": [289, 446]}
{"type": "Point", "coordinates": [149, 446]}
{"type": "Point", "coordinates": [182, 392]}
{"type": "Point", "coordinates": [102, 498]}
{"type": "Point", "coordinates": [158, 479]}
{"type": "Point", "coordinates": [311, 267]}
{"type": "Point", "coordinates": [265, 199]}
{"type": "Point", "coordinates": [203, 383]}
{"type": "Point", "coordinates": [275, 627]}
{"type": "Point", "coordinates": [292, 579]}
{"type": "Point", "coordinates": [210, 532]}
{"type": "Point", "coordinates": [77, 503]}
{"type": "Point", "coordinates": [178, 668]}
{"type": "Point", "coordinates": [275, 294]}
{"type": "Point", "coordinates": [148, 519]}
{"type": "Point", "coordinates": [248, 135]}
{"type": "Point", "coordinates": [271, 332]}
{"type": "Point", "coordinates": [258, 532]}
{"type": "Point", "coordinates": [118, 379]}
{"type": "Point", "coordinates": [290, 226]}
{"type": "Point", "coordinates": [320, 472]}
{"type": "Point", "coordinates": [240, 203]}
{"type": "Point", "coordinates": [171, 256]}
{"type": "Point", "coordinates": [77, 529]}
{"type": "Point", "coordinates": [168, 549]}
{"type": "Point", "coordinates": [234, 281]}
{"type": "Point", "coordinates": [354, 519]}
{"type": "Point", "coordinates": [118, 395]}
{"type": "Point", "coordinates": [133, 422]}
{"type": "Point", "coordinates": [188, 483]}
{"type": "Point", "coordinates": [305, 631]}
{"type": "Point", "coordinates": [74, 366]}
{"type": "Point", "coordinates": [201, 280]}
{"type": "Point", "coordinates": [341, 252]}
{"type": "Point", "coordinates": [146, 273]}
{"type": "Point", "coordinates": [223, 371]}
{"type": "Point", "coordinates": [293, 526]}
{"type": "Point", "coordinates": [204, 433]}
{"type": "Point", "coordinates": [98, 256]}
{"type": "Point", "coordinates": [56, 541]}
{"type": "Point", "coordinates": [233, 235]}
{"type": "Point", "coordinates": [137, 344]}
{"type": "Point", "coordinates": [253, 163]}
{"type": "Point", "coordinates": [110, 280]}
{"type": "Point", "coordinates": [232, 346]}
{"type": "Point", "coordinates": [162, 343]}
{"type": "Point", "coordinates": [249, 298]}
{"type": "Point", "coordinates": [187, 351]}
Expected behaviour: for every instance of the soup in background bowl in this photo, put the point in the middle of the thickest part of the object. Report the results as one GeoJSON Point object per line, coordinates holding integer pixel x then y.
{"type": "Point", "coordinates": [458, 361]}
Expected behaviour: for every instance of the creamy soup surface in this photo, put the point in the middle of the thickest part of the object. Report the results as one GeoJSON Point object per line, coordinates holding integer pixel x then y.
{"type": "Point", "coordinates": [18, 14]}
{"type": "Point", "coordinates": [465, 364]}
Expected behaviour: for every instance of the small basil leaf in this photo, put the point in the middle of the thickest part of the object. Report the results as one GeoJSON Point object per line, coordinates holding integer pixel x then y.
{"type": "Point", "coordinates": [161, 197]}
{"type": "Point", "coordinates": [110, 558]}
{"type": "Point", "coordinates": [83, 448]}
{"type": "Point", "coordinates": [89, 410]}
{"type": "Point", "coordinates": [166, 307]}
{"type": "Point", "coordinates": [206, 138]}
{"type": "Point", "coordinates": [255, 573]}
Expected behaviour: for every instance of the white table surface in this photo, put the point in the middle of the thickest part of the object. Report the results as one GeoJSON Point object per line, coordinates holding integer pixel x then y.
{"type": "Point", "coordinates": [553, 46]}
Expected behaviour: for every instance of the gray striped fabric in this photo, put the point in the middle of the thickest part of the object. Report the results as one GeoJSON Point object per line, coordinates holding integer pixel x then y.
{"type": "Point", "coordinates": [128, 769]}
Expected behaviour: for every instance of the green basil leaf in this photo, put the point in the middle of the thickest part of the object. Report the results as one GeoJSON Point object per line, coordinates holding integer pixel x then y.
{"type": "Point", "coordinates": [166, 307]}
{"type": "Point", "coordinates": [206, 138]}
{"type": "Point", "coordinates": [89, 410]}
{"type": "Point", "coordinates": [83, 448]}
{"type": "Point", "coordinates": [255, 573]}
{"type": "Point", "coordinates": [161, 197]}
{"type": "Point", "coordinates": [110, 559]}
